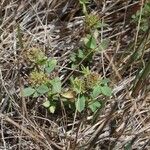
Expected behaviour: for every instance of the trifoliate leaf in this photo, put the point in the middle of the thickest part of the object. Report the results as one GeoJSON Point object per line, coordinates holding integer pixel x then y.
{"type": "Point", "coordinates": [96, 91]}
{"type": "Point", "coordinates": [105, 81]}
{"type": "Point", "coordinates": [42, 89]}
{"type": "Point", "coordinates": [80, 103]}
{"type": "Point", "coordinates": [94, 106]}
{"type": "Point", "coordinates": [91, 42]}
{"type": "Point", "coordinates": [106, 90]}
{"type": "Point", "coordinates": [51, 65]}
{"type": "Point", "coordinates": [56, 85]}
{"type": "Point", "coordinates": [28, 91]}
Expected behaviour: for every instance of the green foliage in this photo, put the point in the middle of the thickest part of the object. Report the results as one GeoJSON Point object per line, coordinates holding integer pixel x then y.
{"type": "Point", "coordinates": [42, 89]}
{"type": "Point", "coordinates": [47, 104]}
{"type": "Point", "coordinates": [144, 15]}
{"type": "Point", "coordinates": [52, 108]}
{"type": "Point", "coordinates": [36, 94]}
{"type": "Point", "coordinates": [56, 85]}
{"type": "Point", "coordinates": [85, 53]}
{"type": "Point", "coordinates": [94, 106]}
{"type": "Point", "coordinates": [85, 70]}
{"type": "Point", "coordinates": [50, 65]}
{"type": "Point", "coordinates": [90, 42]}
{"type": "Point", "coordinates": [96, 91]}
{"type": "Point", "coordinates": [88, 88]}
{"type": "Point", "coordinates": [106, 90]}
{"type": "Point", "coordinates": [40, 79]}
{"type": "Point", "coordinates": [84, 89]}
{"type": "Point", "coordinates": [28, 91]}
{"type": "Point", "coordinates": [80, 103]}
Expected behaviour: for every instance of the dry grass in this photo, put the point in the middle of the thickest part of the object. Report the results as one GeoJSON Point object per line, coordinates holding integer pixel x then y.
{"type": "Point", "coordinates": [56, 27]}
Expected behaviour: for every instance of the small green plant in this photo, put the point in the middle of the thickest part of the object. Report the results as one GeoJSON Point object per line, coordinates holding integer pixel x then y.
{"type": "Point", "coordinates": [84, 91]}
{"type": "Point", "coordinates": [87, 90]}
{"type": "Point", "coordinates": [41, 82]}
{"type": "Point", "coordinates": [90, 46]}
{"type": "Point", "coordinates": [90, 43]}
